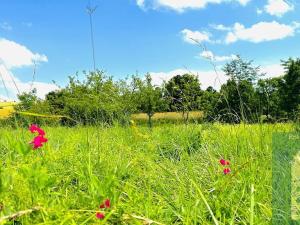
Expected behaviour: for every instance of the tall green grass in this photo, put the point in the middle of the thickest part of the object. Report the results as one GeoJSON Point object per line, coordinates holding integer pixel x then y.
{"type": "Point", "coordinates": [168, 175]}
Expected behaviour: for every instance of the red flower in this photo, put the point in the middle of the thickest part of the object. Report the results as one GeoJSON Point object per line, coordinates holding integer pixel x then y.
{"type": "Point", "coordinates": [226, 171]}
{"type": "Point", "coordinates": [100, 216]}
{"type": "Point", "coordinates": [38, 141]}
{"type": "Point", "coordinates": [105, 204]}
{"type": "Point", "coordinates": [224, 162]}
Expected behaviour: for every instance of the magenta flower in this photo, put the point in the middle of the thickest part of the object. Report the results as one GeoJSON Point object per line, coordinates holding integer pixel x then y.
{"type": "Point", "coordinates": [224, 162]}
{"type": "Point", "coordinates": [100, 215]}
{"type": "Point", "coordinates": [35, 128]}
{"type": "Point", "coordinates": [226, 171]}
{"type": "Point", "coordinates": [105, 204]}
{"type": "Point", "coordinates": [38, 141]}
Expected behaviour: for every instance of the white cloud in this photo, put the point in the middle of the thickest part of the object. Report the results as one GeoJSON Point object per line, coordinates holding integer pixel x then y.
{"type": "Point", "coordinates": [278, 7]}
{"type": "Point", "coordinates": [210, 77]}
{"type": "Point", "coordinates": [259, 11]}
{"type": "Point", "coordinates": [220, 27]}
{"type": "Point", "coordinates": [182, 5]}
{"type": "Point", "coordinates": [5, 26]}
{"type": "Point", "coordinates": [272, 70]}
{"type": "Point", "coordinates": [206, 78]}
{"type": "Point", "coordinates": [211, 56]}
{"type": "Point", "coordinates": [262, 31]}
{"type": "Point", "coordinates": [15, 85]}
{"type": "Point", "coordinates": [194, 37]}
{"type": "Point", "coordinates": [14, 55]}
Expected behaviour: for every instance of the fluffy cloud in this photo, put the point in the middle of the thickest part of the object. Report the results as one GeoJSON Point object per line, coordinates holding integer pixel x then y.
{"type": "Point", "coordinates": [211, 78]}
{"type": "Point", "coordinates": [278, 7]}
{"type": "Point", "coordinates": [14, 55]}
{"type": "Point", "coordinates": [140, 3]}
{"type": "Point", "coordinates": [211, 56]}
{"type": "Point", "coordinates": [193, 37]}
{"type": "Point", "coordinates": [182, 5]}
{"type": "Point", "coordinates": [262, 31]}
{"type": "Point", "coordinates": [206, 78]}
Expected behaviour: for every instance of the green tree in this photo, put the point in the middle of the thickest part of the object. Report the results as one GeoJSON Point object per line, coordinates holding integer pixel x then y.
{"type": "Point", "coordinates": [150, 98]}
{"type": "Point", "coordinates": [184, 93]}
{"type": "Point", "coordinates": [291, 87]}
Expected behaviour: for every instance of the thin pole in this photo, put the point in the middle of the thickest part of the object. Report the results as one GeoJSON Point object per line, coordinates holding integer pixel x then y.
{"type": "Point", "coordinates": [90, 11]}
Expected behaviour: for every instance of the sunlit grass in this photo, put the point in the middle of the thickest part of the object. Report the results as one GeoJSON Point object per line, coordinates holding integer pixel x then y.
{"type": "Point", "coordinates": [172, 176]}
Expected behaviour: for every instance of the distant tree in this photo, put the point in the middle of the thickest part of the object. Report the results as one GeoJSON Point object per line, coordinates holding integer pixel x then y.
{"type": "Point", "coordinates": [150, 98]}
{"type": "Point", "coordinates": [208, 102]}
{"type": "Point", "coordinates": [291, 87]}
{"type": "Point", "coordinates": [183, 92]}
{"type": "Point", "coordinates": [239, 70]}
{"type": "Point", "coordinates": [269, 97]}
{"type": "Point", "coordinates": [238, 94]}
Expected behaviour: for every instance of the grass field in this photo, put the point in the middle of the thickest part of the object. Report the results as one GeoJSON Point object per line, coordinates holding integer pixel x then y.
{"type": "Point", "coordinates": [170, 175]}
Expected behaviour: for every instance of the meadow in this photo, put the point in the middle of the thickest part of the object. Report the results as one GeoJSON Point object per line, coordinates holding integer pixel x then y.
{"type": "Point", "coordinates": [168, 175]}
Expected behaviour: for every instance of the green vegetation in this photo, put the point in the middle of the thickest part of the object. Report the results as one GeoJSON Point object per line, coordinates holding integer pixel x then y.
{"type": "Point", "coordinates": [100, 100]}
{"type": "Point", "coordinates": [170, 174]}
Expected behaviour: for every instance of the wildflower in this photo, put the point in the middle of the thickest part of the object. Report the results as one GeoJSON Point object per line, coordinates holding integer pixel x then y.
{"type": "Point", "coordinates": [105, 204]}
{"type": "Point", "coordinates": [100, 215]}
{"type": "Point", "coordinates": [38, 141]}
{"type": "Point", "coordinates": [226, 171]}
{"type": "Point", "coordinates": [35, 128]}
{"type": "Point", "coordinates": [224, 162]}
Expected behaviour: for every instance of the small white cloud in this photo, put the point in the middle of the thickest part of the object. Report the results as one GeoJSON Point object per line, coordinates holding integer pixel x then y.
{"type": "Point", "coordinates": [262, 31]}
{"type": "Point", "coordinates": [259, 11]}
{"type": "Point", "coordinates": [5, 26]}
{"type": "Point", "coordinates": [140, 3]}
{"type": "Point", "coordinates": [27, 24]}
{"type": "Point", "coordinates": [273, 70]}
{"type": "Point", "coordinates": [194, 37]}
{"type": "Point", "coordinates": [278, 7]}
{"type": "Point", "coordinates": [220, 27]}
{"type": "Point", "coordinates": [244, 2]}
{"type": "Point", "coordinates": [211, 56]}
{"type": "Point", "coordinates": [14, 55]}
{"type": "Point", "coordinates": [182, 5]}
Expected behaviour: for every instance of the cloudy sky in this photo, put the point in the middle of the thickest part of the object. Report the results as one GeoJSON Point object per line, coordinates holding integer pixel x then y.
{"type": "Point", "coordinates": [41, 41]}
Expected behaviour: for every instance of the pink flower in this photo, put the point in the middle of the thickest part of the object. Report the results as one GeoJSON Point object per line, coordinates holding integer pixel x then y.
{"type": "Point", "coordinates": [35, 128]}
{"type": "Point", "coordinates": [226, 171]}
{"type": "Point", "coordinates": [224, 162]}
{"type": "Point", "coordinates": [100, 216]}
{"type": "Point", "coordinates": [38, 141]}
{"type": "Point", "coordinates": [105, 204]}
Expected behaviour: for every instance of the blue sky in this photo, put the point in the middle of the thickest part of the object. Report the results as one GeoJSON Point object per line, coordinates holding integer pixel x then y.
{"type": "Point", "coordinates": [141, 36]}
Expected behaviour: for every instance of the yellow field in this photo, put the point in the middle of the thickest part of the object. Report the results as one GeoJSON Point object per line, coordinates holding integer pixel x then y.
{"type": "Point", "coordinates": [6, 108]}
{"type": "Point", "coordinates": [195, 115]}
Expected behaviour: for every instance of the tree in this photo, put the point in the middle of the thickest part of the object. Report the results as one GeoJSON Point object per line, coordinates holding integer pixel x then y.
{"type": "Point", "coordinates": [291, 87]}
{"type": "Point", "coordinates": [183, 92]}
{"type": "Point", "coordinates": [150, 98]}
{"type": "Point", "coordinates": [238, 94]}
{"type": "Point", "coordinates": [239, 70]}
{"type": "Point", "coordinates": [269, 96]}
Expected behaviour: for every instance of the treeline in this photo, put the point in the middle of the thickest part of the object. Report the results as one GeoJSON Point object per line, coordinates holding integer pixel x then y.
{"type": "Point", "coordinates": [99, 99]}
